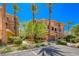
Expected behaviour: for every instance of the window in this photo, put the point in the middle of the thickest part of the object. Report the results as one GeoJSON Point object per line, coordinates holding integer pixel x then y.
{"type": "Point", "coordinates": [6, 25]}
{"type": "Point", "coordinates": [14, 28]}
{"type": "Point", "coordinates": [52, 28]}
{"type": "Point", "coordinates": [55, 29]}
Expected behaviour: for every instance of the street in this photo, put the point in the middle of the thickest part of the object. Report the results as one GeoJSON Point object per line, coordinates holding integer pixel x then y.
{"type": "Point", "coordinates": [55, 50]}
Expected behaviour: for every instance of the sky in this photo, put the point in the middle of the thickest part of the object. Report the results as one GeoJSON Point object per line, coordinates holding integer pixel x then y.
{"type": "Point", "coordinates": [61, 12]}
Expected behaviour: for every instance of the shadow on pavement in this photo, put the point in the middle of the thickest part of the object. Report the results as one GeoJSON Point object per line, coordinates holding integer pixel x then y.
{"type": "Point", "coordinates": [50, 51]}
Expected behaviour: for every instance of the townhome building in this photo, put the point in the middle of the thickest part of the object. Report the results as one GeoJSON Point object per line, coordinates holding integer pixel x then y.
{"type": "Point", "coordinates": [7, 25]}
{"type": "Point", "coordinates": [56, 29]}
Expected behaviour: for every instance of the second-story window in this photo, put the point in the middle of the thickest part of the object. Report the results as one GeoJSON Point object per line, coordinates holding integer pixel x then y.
{"type": "Point", "coordinates": [52, 28]}
{"type": "Point", "coordinates": [6, 25]}
{"type": "Point", "coordinates": [55, 29]}
{"type": "Point", "coordinates": [14, 28]}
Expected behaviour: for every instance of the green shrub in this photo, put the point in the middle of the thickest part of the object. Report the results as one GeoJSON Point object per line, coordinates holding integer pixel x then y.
{"type": "Point", "coordinates": [37, 45]}
{"type": "Point", "coordinates": [17, 41]}
{"type": "Point", "coordinates": [69, 37]}
{"type": "Point", "coordinates": [40, 44]}
{"type": "Point", "coordinates": [77, 39]}
{"type": "Point", "coordinates": [22, 47]}
{"type": "Point", "coordinates": [6, 50]}
{"type": "Point", "coordinates": [10, 39]}
{"type": "Point", "coordinates": [60, 42]}
{"type": "Point", "coordinates": [38, 41]}
{"type": "Point", "coordinates": [49, 43]}
{"type": "Point", "coordinates": [73, 40]}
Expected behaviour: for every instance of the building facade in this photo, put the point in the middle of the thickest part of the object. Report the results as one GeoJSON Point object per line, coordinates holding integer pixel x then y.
{"type": "Point", "coordinates": [7, 27]}
{"type": "Point", "coordinates": [56, 29]}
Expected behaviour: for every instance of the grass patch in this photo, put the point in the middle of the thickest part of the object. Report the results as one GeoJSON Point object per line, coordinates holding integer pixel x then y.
{"type": "Point", "coordinates": [6, 50]}
{"type": "Point", "coordinates": [22, 47]}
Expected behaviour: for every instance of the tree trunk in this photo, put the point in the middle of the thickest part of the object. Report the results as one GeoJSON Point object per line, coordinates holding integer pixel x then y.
{"type": "Point", "coordinates": [50, 11]}
{"type": "Point", "coordinates": [33, 24]}
{"type": "Point", "coordinates": [33, 17]}
{"type": "Point", "coordinates": [15, 23]}
{"type": "Point", "coordinates": [68, 29]}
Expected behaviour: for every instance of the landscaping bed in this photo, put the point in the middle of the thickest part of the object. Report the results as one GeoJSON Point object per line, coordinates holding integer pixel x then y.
{"type": "Point", "coordinates": [14, 48]}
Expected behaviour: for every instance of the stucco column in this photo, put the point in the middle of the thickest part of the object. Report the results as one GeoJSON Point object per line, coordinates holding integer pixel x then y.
{"type": "Point", "coordinates": [3, 24]}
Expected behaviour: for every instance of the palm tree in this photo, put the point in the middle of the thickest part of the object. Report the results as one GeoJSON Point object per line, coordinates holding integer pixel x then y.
{"type": "Point", "coordinates": [68, 24]}
{"type": "Point", "coordinates": [50, 12]}
{"type": "Point", "coordinates": [15, 10]}
{"type": "Point", "coordinates": [33, 9]}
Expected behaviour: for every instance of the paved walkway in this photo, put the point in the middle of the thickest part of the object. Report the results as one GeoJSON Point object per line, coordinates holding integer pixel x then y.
{"type": "Point", "coordinates": [55, 50]}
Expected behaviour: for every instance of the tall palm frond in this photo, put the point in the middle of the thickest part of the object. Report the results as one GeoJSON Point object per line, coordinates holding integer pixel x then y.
{"type": "Point", "coordinates": [50, 15]}
{"type": "Point", "coordinates": [15, 9]}
{"type": "Point", "coordinates": [33, 9]}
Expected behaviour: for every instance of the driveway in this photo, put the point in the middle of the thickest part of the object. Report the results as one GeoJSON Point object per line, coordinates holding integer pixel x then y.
{"type": "Point", "coordinates": [55, 50]}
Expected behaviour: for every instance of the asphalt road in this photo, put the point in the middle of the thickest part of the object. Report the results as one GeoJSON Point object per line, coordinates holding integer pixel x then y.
{"type": "Point", "coordinates": [55, 50]}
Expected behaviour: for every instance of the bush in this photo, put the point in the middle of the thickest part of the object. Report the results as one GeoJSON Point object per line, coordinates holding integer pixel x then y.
{"type": "Point", "coordinates": [14, 40]}
{"type": "Point", "coordinates": [69, 37]}
{"type": "Point", "coordinates": [49, 43]}
{"type": "Point", "coordinates": [38, 45]}
{"type": "Point", "coordinates": [17, 41]}
{"type": "Point", "coordinates": [77, 39]}
{"type": "Point", "coordinates": [73, 40]}
{"type": "Point", "coordinates": [61, 42]}
{"type": "Point", "coordinates": [10, 39]}
{"type": "Point", "coordinates": [38, 41]}
{"type": "Point", "coordinates": [42, 44]}
{"type": "Point", "coordinates": [6, 50]}
{"type": "Point", "coordinates": [22, 47]}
